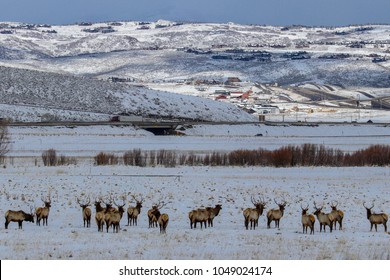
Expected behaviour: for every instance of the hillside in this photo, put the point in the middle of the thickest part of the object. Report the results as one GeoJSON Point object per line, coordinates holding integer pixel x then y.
{"type": "Point", "coordinates": [34, 96]}
{"type": "Point", "coordinates": [162, 50]}
{"type": "Point", "coordinates": [76, 61]}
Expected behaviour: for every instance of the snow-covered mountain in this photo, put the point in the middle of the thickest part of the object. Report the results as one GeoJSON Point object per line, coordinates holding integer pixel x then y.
{"type": "Point", "coordinates": [169, 50]}
{"type": "Point", "coordinates": [82, 57]}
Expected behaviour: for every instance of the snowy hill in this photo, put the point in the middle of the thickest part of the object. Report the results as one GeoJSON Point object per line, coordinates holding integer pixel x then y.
{"type": "Point", "coordinates": [34, 96]}
{"type": "Point", "coordinates": [169, 50]}
{"type": "Point", "coordinates": [149, 53]}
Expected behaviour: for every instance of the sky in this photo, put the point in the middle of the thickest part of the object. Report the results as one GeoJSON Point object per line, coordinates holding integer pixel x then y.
{"type": "Point", "coordinates": [269, 12]}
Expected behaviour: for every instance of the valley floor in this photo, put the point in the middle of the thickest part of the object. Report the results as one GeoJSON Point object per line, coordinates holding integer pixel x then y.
{"type": "Point", "coordinates": [25, 181]}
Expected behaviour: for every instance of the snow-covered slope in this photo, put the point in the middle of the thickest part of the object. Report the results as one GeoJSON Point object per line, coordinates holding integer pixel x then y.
{"type": "Point", "coordinates": [160, 50]}
{"type": "Point", "coordinates": [153, 52]}
{"type": "Point", "coordinates": [36, 95]}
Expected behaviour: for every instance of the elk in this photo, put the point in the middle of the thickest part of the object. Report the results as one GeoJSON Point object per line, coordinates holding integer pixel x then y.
{"type": "Point", "coordinates": [133, 212]}
{"type": "Point", "coordinates": [108, 209]}
{"type": "Point", "coordinates": [376, 219]}
{"type": "Point", "coordinates": [86, 212]}
{"type": "Point", "coordinates": [163, 222]}
{"type": "Point", "coordinates": [99, 216]}
{"type": "Point", "coordinates": [42, 213]}
{"type": "Point", "coordinates": [113, 217]}
{"type": "Point", "coordinates": [154, 213]}
{"type": "Point", "coordinates": [199, 215]}
{"type": "Point", "coordinates": [308, 220]}
{"type": "Point", "coordinates": [252, 214]}
{"type": "Point", "coordinates": [18, 216]}
{"type": "Point", "coordinates": [324, 219]}
{"type": "Point", "coordinates": [276, 214]}
{"type": "Point", "coordinates": [213, 212]}
{"type": "Point", "coordinates": [338, 216]}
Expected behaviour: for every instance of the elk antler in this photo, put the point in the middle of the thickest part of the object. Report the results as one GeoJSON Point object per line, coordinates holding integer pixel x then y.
{"type": "Point", "coordinates": [334, 205]}
{"type": "Point", "coordinates": [318, 208]}
{"type": "Point", "coordinates": [306, 208]}
{"type": "Point", "coordinates": [368, 207]}
{"type": "Point", "coordinates": [119, 206]}
{"type": "Point", "coordinates": [138, 200]}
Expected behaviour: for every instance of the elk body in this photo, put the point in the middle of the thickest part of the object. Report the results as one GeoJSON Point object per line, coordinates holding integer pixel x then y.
{"type": "Point", "coordinates": [376, 219]}
{"type": "Point", "coordinates": [18, 216]}
{"type": "Point", "coordinates": [308, 220]}
{"type": "Point", "coordinates": [213, 212]}
{"type": "Point", "coordinates": [204, 216]}
{"type": "Point", "coordinates": [86, 212]}
{"type": "Point", "coordinates": [133, 212]}
{"type": "Point", "coordinates": [154, 214]}
{"type": "Point", "coordinates": [199, 215]}
{"type": "Point", "coordinates": [163, 222]}
{"type": "Point", "coordinates": [338, 216]}
{"type": "Point", "coordinates": [252, 215]}
{"type": "Point", "coordinates": [99, 216]}
{"type": "Point", "coordinates": [113, 217]}
{"type": "Point", "coordinates": [276, 214]}
{"type": "Point", "coordinates": [324, 219]}
{"type": "Point", "coordinates": [42, 213]}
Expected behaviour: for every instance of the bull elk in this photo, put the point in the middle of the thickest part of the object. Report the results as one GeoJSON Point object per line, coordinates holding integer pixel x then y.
{"type": "Point", "coordinates": [19, 217]}
{"type": "Point", "coordinates": [113, 217]}
{"type": "Point", "coordinates": [163, 222]}
{"type": "Point", "coordinates": [276, 214]}
{"type": "Point", "coordinates": [42, 213]}
{"type": "Point", "coordinates": [252, 214]}
{"type": "Point", "coordinates": [376, 219]}
{"type": "Point", "coordinates": [154, 213]}
{"type": "Point", "coordinates": [324, 219]}
{"type": "Point", "coordinates": [134, 211]}
{"type": "Point", "coordinates": [86, 212]}
{"type": "Point", "coordinates": [338, 216]}
{"type": "Point", "coordinates": [308, 220]}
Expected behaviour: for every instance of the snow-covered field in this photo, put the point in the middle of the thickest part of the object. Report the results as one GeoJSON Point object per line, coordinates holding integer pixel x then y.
{"type": "Point", "coordinates": [157, 59]}
{"type": "Point", "coordinates": [24, 182]}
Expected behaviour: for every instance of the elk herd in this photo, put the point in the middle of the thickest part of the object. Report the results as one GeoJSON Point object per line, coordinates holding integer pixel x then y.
{"type": "Point", "coordinates": [110, 216]}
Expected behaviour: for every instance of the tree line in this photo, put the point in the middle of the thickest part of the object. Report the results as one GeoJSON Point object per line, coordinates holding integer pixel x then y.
{"type": "Point", "coordinates": [286, 156]}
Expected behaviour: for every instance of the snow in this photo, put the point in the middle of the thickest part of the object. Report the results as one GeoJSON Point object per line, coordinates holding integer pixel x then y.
{"type": "Point", "coordinates": [25, 180]}
{"type": "Point", "coordinates": [71, 84]}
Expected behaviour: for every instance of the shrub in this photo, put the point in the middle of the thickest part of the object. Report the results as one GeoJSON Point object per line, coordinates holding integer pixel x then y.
{"type": "Point", "coordinates": [49, 157]}
{"type": "Point", "coordinates": [106, 159]}
{"type": "Point", "coordinates": [135, 157]}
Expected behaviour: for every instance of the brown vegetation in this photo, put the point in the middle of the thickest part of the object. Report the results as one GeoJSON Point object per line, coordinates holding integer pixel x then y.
{"type": "Point", "coordinates": [287, 156]}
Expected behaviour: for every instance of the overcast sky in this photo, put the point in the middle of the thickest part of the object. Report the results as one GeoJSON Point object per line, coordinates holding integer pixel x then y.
{"type": "Point", "coordinates": [270, 12]}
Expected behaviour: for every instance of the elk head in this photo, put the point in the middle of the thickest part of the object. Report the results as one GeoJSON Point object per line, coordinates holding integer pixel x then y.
{"type": "Point", "coordinates": [120, 207]}
{"type": "Point", "coordinates": [318, 209]}
{"type": "Point", "coordinates": [281, 205]}
{"type": "Point", "coordinates": [334, 206]}
{"type": "Point", "coordinates": [138, 201]}
{"type": "Point", "coordinates": [30, 218]}
{"type": "Point", "coordinates": [259, 204]}
{"type": "Point", "coordinates": [369, 213]}
{"type": "Point", "coordinates": [46, 202]}
{"type": "Point", "coordinates": [305, 209]}
{"type": "Point", "coordinates": [86, 204]}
